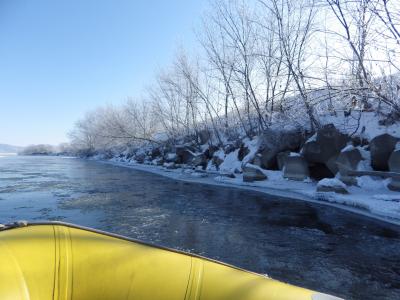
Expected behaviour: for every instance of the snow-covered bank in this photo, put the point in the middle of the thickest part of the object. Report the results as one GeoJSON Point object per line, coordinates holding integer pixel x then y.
{"type": "Point", "coordinates": [377, 202]}
{"type": "Point", "coordinates": [358, 172]}
{"type": "Point", "coordinates": [7, 154]}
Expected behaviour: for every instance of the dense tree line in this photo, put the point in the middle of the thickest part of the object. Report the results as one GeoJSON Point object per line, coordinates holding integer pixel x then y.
{"type": "Point", "coordinates": [260, 63]}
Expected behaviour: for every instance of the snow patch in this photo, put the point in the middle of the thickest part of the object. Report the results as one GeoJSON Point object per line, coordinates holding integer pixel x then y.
{"type": "Point", "coordinates": [365, 164]}
{"type": "Point", "coordinates": [367, 128]}
{"type": "Point", "coordinates": [253, 146]}
{"type": "Point", "coordinates": [231, 163]}
{"type": "Point", "coordinates": [294, 154]}
{"type": "Point", "coordinates": [198, 175]}
{"type": "Point", "coordinates": [370, 184]}
{"type": "Point", "coordinates": [331, 182]}
{"type": "Point", "coordinates": [348, 148]}
{"type": "Point", "coordinates": [387, 197]}
{"type": "Point", "coordinates": [170, 156]}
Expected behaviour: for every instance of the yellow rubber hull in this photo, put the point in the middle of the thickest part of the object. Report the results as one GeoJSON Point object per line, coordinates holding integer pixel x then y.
{"type": "Point", "coordinates": [62, 262]}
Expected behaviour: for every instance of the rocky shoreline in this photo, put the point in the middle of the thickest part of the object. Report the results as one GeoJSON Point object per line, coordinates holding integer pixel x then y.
{"type": "Point", "coordinates": [329, 168]}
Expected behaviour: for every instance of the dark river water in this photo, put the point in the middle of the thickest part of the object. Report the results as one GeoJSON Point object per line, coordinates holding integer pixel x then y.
{"type": "Point", "coordinates": [309, 245]}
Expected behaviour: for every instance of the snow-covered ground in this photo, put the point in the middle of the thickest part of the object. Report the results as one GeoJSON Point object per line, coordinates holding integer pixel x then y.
{"type": "Point", "coordinates": [367, 126]}
{"type": "Point", "coordinates": [7, 154]}
{"type": "Point", "coordinates": [371, 199]}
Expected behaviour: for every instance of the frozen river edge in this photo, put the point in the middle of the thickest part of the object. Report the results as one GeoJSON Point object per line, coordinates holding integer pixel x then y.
{"type": "Point", "coordinates": [357, 202]}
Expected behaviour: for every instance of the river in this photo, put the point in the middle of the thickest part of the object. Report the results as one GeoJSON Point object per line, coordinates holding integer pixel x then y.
{"type": "Point", "coordinates": [306, 244]}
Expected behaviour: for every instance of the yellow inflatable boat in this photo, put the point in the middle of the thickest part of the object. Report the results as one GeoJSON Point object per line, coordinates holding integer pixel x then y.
{"type": "Point", "coordinates": [60, 261]}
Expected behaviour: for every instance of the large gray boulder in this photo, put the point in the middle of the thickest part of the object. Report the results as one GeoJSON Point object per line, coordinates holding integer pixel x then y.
{"type": "Point", "coordinates": [394, 185]}
{"type": "Point", "coordinates": [184, 154]}
{"type": "Point", "coordinates": [296, 168]}
{"type": "Point", "coordinates": [252, 173]}
{"type": "Point", "coordinates": [394, 166]}
{"type": "Point", "coordinates": [199, 160]}
{"type": "Point", "coordinates": [381, 147]}
{"type": "Point", "coordinates": [209, 152]}
{"type": "Point", "coordinates": [140, 157]}
{"type": "Point", "coordinates": [320, 171]}
{"type": "Point", "coordinates": [257, 160]}
{"type": "Point", "coordinates": [348, 160]}
{"type": "Point", "coordinates": [243, 151]}
{"type": "Point", "coordinates": [272, 142]}
{"type": "Point", "coordinates": [155, 152]}
{"type": "Point", "coordinates": [281, 159]}
{"type": "Point", "coordinates": [394, 161]}
{"type": "Point", "coordinates": [325, 146]}
{"type": "Point", "coordinates": [268, 159]}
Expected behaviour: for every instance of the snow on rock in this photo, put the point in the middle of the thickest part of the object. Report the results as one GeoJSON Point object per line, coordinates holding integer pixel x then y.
{"type": "Point", "coordinates": [211, 166]}
{"type": "Point", "coordinates": [294, 154]}
{"type": "Point", "coordinates": [348, 148]}
{"type": "Point", "coordinates": [368, 126]}
{"type": "Point", "coordinates": [170, 165]}
{"type": "Point", "coordinates": [157, 162]}
{"type": "Point", "coordinates": [170, 157]}
{"type": "Point", "coordinates": [199, 175]}
{"type": "Point", "coordinates": [220, 154]}
{"type": "Point", "coordinates": [331, 182]}
{"type": "Point", "coordinates": [312, 138]}
{"type": "Point", "coordinates": [387, 197]}
{"type": "Point", "coordinates": [365, 153]}
{"type": "Point", "coordinates": [253, 173]}
{"type": "Point", "coordinates": [253, 146]}
{"type": "Point", "coordinates": [368, 183]}
{"type": "Point", "coordinates": [331, 185]}
{"type": "Point", "coordinates": [216, 160]}
{"type": "Point", "coordinates": [231, 163]}
{"type": "Point", "coordinates": [365, 163]}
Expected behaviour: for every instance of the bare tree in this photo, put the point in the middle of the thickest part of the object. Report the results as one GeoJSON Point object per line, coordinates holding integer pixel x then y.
{"type": "Point", "coordinates": [198, 87]}
{"type": "Point", "coordinates": [222, 60]}
{"type": "Point", "coordinates": [276, 76]}
{"type": "Point", "coordinates": [295, 21]}
{"type": "Point", "coordinates": [389, 14]}
{"type": "Point", "coordinates": [234, 20]}
{"type": "Point", "coordinates": [356, 20]}
{"type": "Point", "coordinates": [83, 135]}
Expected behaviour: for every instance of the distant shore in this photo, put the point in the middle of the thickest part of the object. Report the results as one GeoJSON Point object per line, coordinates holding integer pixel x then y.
{"type": "Point", "coordinates": [8, 154]}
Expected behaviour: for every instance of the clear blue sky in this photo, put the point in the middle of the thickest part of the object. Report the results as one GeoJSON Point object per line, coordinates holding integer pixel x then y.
{"type": "Point", "coordinates": [60, 58]}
